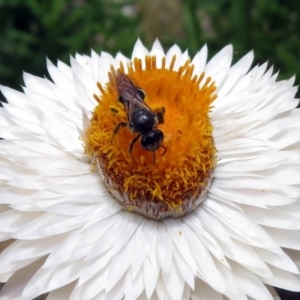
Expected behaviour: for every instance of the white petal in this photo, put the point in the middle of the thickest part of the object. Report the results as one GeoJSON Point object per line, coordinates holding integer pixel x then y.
{"type": "Point", "coordinates": [203, 292]}
{"type": "Point", "coordinates": [133, 288]}
{"type": "Point", "coordinates": [164, 248]}
{"type": "Point", "coordinates": [283, 280]}
{"type": "Point", "coordinates": [161, 290]}
{"type": "Point", "coordinates": [250, 283]}
{"type": "Point", "coordinates": [117, 292]}
{"type": "Point", "coordinates": [20, 250]}
{"type": "Point", "coordinates": [285, 238]}
{"type": "Point", "coordinates": [173, 51]}
{"type": "Point", "coordinates": [115, 269]}
{"type": "Point", "coordinates": [60, 79]}
{"type": "Point", "coordinates": [177, 231]}
{"type": "Point", "coordinates": [140, 254]}
{"type": "Point", "coordinates": [279, 260]}
{"type": "Point", "coordinates": [157, 50]}
{"type": "Point", "coordinates": [61, 293]}
{"type": "Point", "coordinates": [235, 74]}
{"type": "Point", "coordinates": [139, 51]}
{"type": "Point", "coordinates": [13, 289]}
{"type": "Point", "coordinates": [174, 283]}
{"type": "Point", "coordinates": [199, 60]}
{"type": "Point", "coordinates": [277, 217]}
{"type": "Point", "coordinates": [233, 289]}
{"type": "Point", "coordinates": [218, 66]}
{"type": "Point", "coordinates": [239, 225]}
{"type": "Point", "coordinates": [247, 257]}
{"type": "Point", "coordinates": [47, 279]}
{"type": "Point", "coordinates": [15, 98]}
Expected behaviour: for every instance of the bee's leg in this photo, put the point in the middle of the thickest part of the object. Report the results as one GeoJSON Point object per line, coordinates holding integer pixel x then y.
{"type": "Point", "coordinates": [160, 119]}
{"type": "Point", "coordinates": [165, 149]}
{"type": "Point", "coordinates": [154, 156]}
{"type": "Point", "coordinates": [116, 129]}
{"type": "Point", "coordinates": [132, 143]}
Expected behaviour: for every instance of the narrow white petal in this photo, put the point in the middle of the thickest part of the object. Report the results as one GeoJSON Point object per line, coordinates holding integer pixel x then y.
{"type": "Point", "coordinates": [117, 292]}
{"type": "Point", "coordinates": [20, 250]}
{"type": "Point", "coordinates": [117, 270]}
{"type": "Point", "coordinates": [203, 292]}
{"type": "Point", "coordinates": [276, 217]}
{"type": "Point", "coordinates": [63, 250]}
{"type": "Point", "coordinates": [218, 66]}
{"type": "Point", "coordinates": [233, 289]}
{"type": "Point", "coordinates": [250, 283]}
{"type": "Point", "coordinates": [207, 269]}
{"type": "Point", "coordinates": [157, 50]}
{"type": "Point", "coordinates": [173, 51]}
{"type": "Point", "coordinates": [84, 72]}
{"type": "Point", "coordinates": [64, 69]}
{"type": "Point", "coordinates": [278, 259]}
{"type": "Point", "coordinates": [15, 98]}
{"type": "Point", "coordinates": [49, 224]}
{"type": "Point", "coordinates": [199, 60]}
{"type": "Point", "coordinates": [121, 58]}
{"type": "Point", "coordinates": [140, 254]}
{"type": "Point", "coordinates": [60, 79]}
{"type": "Point", "coordinates": [92, 288]}
{"type": "Point", "coordinates": [235, 73]}
{"type": "Point", "coordinates": [185, 271]}
{"type": "Point", "coordinates": [61, 293]}
{"type": "Point", "coordinates": [150, 278]}
{"type": "Point", "coordinates": [47, 279]}
{"type": "Point", "coordinates": [174, 283]}
{"type": "Point", "coordinates": [247, 257]}
{"type": "Point", "coordinates": [164, 248]}
{"type": "Point", "coordinates": [12, 220]}
{"type": "Point", "coordinates": [10, 266]}
{"type": "Point", "coordinates": [139, 50]}
{"type": "Point", "coordinates": [133, 288]}
{"type": "Point", "coordinates": [177, 231]}
{"type": "Point", "coordinates": [283, 280]}
{"type": "Point", "coordinates": [181, 60]}
{"type": "Point", "coordinates": [239, 225]}
{"type": "Point", "coordinates": [285, 238]}
{"type": "Point", "coordinates": [206, 238]}
{"type": "Point", "coordinates": [14, 287]}
{"type": "Point", "coordinates": [161, 290]}
{"type": "Point", "coordinates": [93, 267]}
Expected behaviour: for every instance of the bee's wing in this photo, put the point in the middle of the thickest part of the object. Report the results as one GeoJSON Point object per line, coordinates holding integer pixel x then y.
{"type": "Point", "coordinates": [129, 93]}
{"type": "Point", "coordinates": [131, 103]}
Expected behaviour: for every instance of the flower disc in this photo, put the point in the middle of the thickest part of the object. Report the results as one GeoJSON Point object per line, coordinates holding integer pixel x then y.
{"type": "Point", "coordinates": [156, 184]}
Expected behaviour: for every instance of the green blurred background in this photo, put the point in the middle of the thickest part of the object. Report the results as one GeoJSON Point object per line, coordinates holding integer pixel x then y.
{"type": "Point", "coordinates": [31, 30]}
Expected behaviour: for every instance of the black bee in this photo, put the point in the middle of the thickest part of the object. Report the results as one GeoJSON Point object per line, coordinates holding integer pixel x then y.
{"type": "Point", "coordinates": [140, 118]}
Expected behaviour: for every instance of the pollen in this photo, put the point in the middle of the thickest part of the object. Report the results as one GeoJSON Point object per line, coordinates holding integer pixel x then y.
{"type": "Point", "coordinates": [176, 181]}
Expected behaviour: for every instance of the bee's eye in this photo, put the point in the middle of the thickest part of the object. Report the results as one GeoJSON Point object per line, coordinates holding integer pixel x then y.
{"type": "Point", "coordinates": [141, 93]}
{"type": "Point", "coordinates": [121, 99]}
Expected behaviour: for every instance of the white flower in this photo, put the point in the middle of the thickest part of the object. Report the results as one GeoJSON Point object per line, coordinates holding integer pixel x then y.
{"type": "Point", "coordinates": [64, 234]}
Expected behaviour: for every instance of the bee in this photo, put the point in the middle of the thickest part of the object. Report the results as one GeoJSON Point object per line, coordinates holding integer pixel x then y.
{"type": "Point", "coordinates": [140, 118]}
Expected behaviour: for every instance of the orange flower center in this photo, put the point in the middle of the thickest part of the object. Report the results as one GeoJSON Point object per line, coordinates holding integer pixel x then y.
{"type": "Point", "coordinates": [176, 183]}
